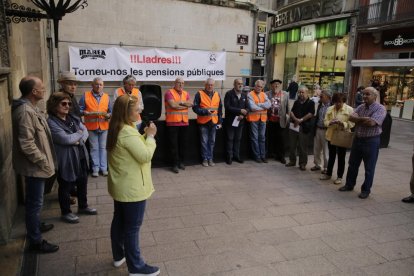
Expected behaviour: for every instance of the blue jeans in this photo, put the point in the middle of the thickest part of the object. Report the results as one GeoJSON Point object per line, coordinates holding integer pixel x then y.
{"type": "Point", "coordinates": [97, 143]}
{"type": "Point", "coordinates": [126, 223]}
{"type": "Point", "coordinates": [208, 139]}
{"type": "Point", "coordinates": [35, 187]}
{"type": "Point", "coordinates": [258, 139]}
{"type": "Point", "coordinates": [363, 149]}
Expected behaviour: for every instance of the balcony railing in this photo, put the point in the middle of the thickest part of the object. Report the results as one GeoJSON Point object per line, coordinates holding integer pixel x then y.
{"type": "Point", "coordinates": [386, 11]}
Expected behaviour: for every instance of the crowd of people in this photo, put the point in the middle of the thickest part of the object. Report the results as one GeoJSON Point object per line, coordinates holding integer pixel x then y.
{"type": "Point", "coordinates": [117, 149]}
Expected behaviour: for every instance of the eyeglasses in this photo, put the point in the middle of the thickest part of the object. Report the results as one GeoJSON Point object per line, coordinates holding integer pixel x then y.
{"type": "Point", "coordinates": [65, 104]}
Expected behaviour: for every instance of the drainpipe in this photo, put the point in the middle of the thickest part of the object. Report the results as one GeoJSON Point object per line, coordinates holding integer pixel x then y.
{"type": "Point", "coordinates": [51, 57]}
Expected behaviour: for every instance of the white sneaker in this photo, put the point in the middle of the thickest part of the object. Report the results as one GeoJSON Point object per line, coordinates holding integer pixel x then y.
{"type": "Point", "coordinates": [205, 163]}
{"type": "Point", "coordinates": [338, 181]}
{"type": "Point", "coordinates": [119, 263]}
{"type": "Point", "coordinates": [211, 163]}
{"type": "Point", "coordinates": [95, 174]}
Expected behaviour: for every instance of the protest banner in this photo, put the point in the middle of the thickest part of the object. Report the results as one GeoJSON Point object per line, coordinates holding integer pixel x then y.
{"type": "Point", "coordinates": [114, 63]}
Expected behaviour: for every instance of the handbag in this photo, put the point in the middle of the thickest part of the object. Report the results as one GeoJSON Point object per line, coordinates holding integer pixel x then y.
{"type": "Point", "coordinates": [342, 138]}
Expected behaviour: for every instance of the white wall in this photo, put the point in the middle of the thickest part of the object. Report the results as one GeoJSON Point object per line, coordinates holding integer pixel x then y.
{"type": "Point", "coordinates": [160, 23]}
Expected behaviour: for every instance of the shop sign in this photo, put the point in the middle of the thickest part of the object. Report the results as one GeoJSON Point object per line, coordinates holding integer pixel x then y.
{"type": "Point", "coordinates": [401, 41]}
{"type": "Point", "coordinates": [242, 39]}
{"type": "Point", "coordinates": [305, 11]}
{"type": "Point", "coordinates": [307, 33]}
{"type": "Point", "coordinates": [261, 42]}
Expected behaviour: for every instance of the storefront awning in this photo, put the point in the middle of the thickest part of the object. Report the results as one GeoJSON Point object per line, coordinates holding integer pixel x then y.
{"type": "Point", "coordinates": [382, 62]}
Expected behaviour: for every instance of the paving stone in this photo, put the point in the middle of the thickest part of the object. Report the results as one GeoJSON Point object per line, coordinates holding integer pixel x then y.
{"type": "Point", "coordinates": [303, 248]}
{"type": "Point", "coordinates": [316, 230]}
{"type": "Point", "coordinates": [170, 251]}
{"type": "Point", "coordinates": [162, 224]}
{"type": "Point", "coordinates": [48, 267]}
{"type": "Point", "coordinates": [274, 222]}
{"type": "Point", "coordinates": [288, 199]}
{"type": "Point", "coordinates": [169, 212]}
{"type": "Point", "coordinates": [314, 217]}
{"type": "Point", "coordinates": [355, 224]}
{"type": "Point", "coordinates": [390, 233]}
{"type": "Point", "coordinates": [348, 240]}
{"type": "Point", "coordinates": [395, 250]}
{"type": "Point", "coordinates": [314, 265]}
{"type": "Point", "coordinates": [391, 219]}
{"type": "Point", "coordinates": [395, 268]}
{"type": "Point", "coordinates": [260, 270]}
{"type": "Point", "coordinates": [231, 228]}
{"type": "Point", "coordinates": [247, 214]}
{"type": "Point", "coordinates": [273, 236]}
{"type": "Point", "coordinates": [179, 235]}
{"type": "Point", "coordinates": [204, 219]}
{"type": "Point", "coordinates": [349, 213]}
{"type": "Point", "coordinates": [212, 208]}
{"type": "Point", "coordinates": [354, 258]}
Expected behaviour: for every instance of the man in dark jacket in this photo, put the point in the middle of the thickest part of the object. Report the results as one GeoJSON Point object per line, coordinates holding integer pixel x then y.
{"type": "Point", "coordinates": [235, 103]}
{"type": "Point", "coordinates": [33, 158]}
{"type": "Point", "coordinates": [300, 126]}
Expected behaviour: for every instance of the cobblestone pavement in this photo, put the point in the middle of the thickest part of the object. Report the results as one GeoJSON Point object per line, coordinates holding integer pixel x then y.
{"type": "Point", "coordinates": [253, 219]}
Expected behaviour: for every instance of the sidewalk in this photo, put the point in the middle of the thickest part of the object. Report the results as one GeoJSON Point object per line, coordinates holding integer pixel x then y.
{"type": "Point", "coordinates": [253, 219]}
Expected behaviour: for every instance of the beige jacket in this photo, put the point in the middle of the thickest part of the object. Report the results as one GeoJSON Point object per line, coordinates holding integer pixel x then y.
{"type": "Point", "coordinates": [33, 153]}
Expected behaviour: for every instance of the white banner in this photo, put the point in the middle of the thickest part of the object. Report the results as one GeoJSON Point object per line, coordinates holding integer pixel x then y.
{"type": "Point", "coordinates": [114, 63]}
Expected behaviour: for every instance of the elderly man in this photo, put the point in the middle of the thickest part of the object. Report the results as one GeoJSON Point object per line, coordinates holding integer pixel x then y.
{"type": "Point", "coordinates": [208, 107]}
{"type": "Point", "coordinates": [278, 118]}
{"type": "Point", "coordinates": [129, 87]}
{"type": "Point", "coordinates": [368, 118]}
{"type": "Point", "coordinates": [33, 157]}
{"type": "Point", "coordinates": [300, 127]}
{"type": "Point", "coordinates": [320, 145]}
{"type": "Point", "coordinates": [96, 107]}
{"type": "Point", "coordinates": [68, 84]}
{"type": "Point", "coordinates": [177, 102]}
{"type": "Point", "coordinates": [258, 105]}
{"type": "Point", "coordinates": [235, 103]}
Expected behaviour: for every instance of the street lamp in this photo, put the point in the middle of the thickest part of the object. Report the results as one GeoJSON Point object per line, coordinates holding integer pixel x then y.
{"type": "Point", "coordinates": [54, 11]}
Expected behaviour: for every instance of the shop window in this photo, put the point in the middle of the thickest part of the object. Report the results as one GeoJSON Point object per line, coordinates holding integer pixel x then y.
{"type": "Point", "coordinates": [290, 63]}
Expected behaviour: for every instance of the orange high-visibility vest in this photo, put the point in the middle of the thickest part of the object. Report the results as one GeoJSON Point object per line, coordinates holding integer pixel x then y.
{"type": "Point", "coordinates": [254, 116]}
{"type": "Point", "coordinates": [135, 92]}
{"type": "Point", "coordinates": [176, 115]}
{"type": "Point", "coordinates": [209, 103]}
{"type": "Point", "coordinates": [94, 122]}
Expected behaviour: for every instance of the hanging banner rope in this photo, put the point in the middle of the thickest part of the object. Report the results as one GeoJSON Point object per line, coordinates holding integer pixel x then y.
{"type": "Point", "coordinates": [114, 63]}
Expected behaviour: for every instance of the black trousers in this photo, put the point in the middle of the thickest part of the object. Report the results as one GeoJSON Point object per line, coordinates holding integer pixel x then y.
{"type": "Point", "coordinates": [177, 137]}
{"type": "Point", "coordinates": [333, 151]}
{"type": "Point", "coordinates": [275, 140]}
{"type": "Point", "coordinates": [65, 188]}
{"type": "Point", "coordinates": [234, 135]}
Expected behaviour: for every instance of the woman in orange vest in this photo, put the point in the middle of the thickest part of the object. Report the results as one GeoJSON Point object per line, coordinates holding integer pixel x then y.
{"type": "Point", "coordinates": [257, 116]}
{"type": "Point", "coordinates": [96, 107]}
{"type": "Point", "coordinates": [208, 107]}
{"type": "Point", "coordinates": [177, 102]}
{"type": "Point", "coordinates": [129, 83]}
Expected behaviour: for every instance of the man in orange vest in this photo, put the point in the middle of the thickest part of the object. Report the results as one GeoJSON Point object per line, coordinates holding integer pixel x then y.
{"type": "Point", "coordinates": [129, 83]}
{"type": "Point", "coordinates": [257, 116]}
{"type": "Point", "coordinates": [96, 108]}
{"type": "Point", "coordinates": [177, 102]}
{"type": "Point", "coordinates": [208, 107]}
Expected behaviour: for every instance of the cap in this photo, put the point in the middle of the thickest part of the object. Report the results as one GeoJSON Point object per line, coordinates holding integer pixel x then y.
{"type": "Point", "coordinates": [67, 76]}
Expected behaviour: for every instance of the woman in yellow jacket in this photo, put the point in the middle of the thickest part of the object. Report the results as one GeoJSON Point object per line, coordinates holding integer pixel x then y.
{"type": "Point", "coordinates": [337, 117]}
{"type": "Point", "coordinates": [129, 182]}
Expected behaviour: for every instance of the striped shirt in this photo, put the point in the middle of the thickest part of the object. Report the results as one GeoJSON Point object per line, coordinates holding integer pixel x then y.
{"type": "Point", "coordinates": [375, 112]}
